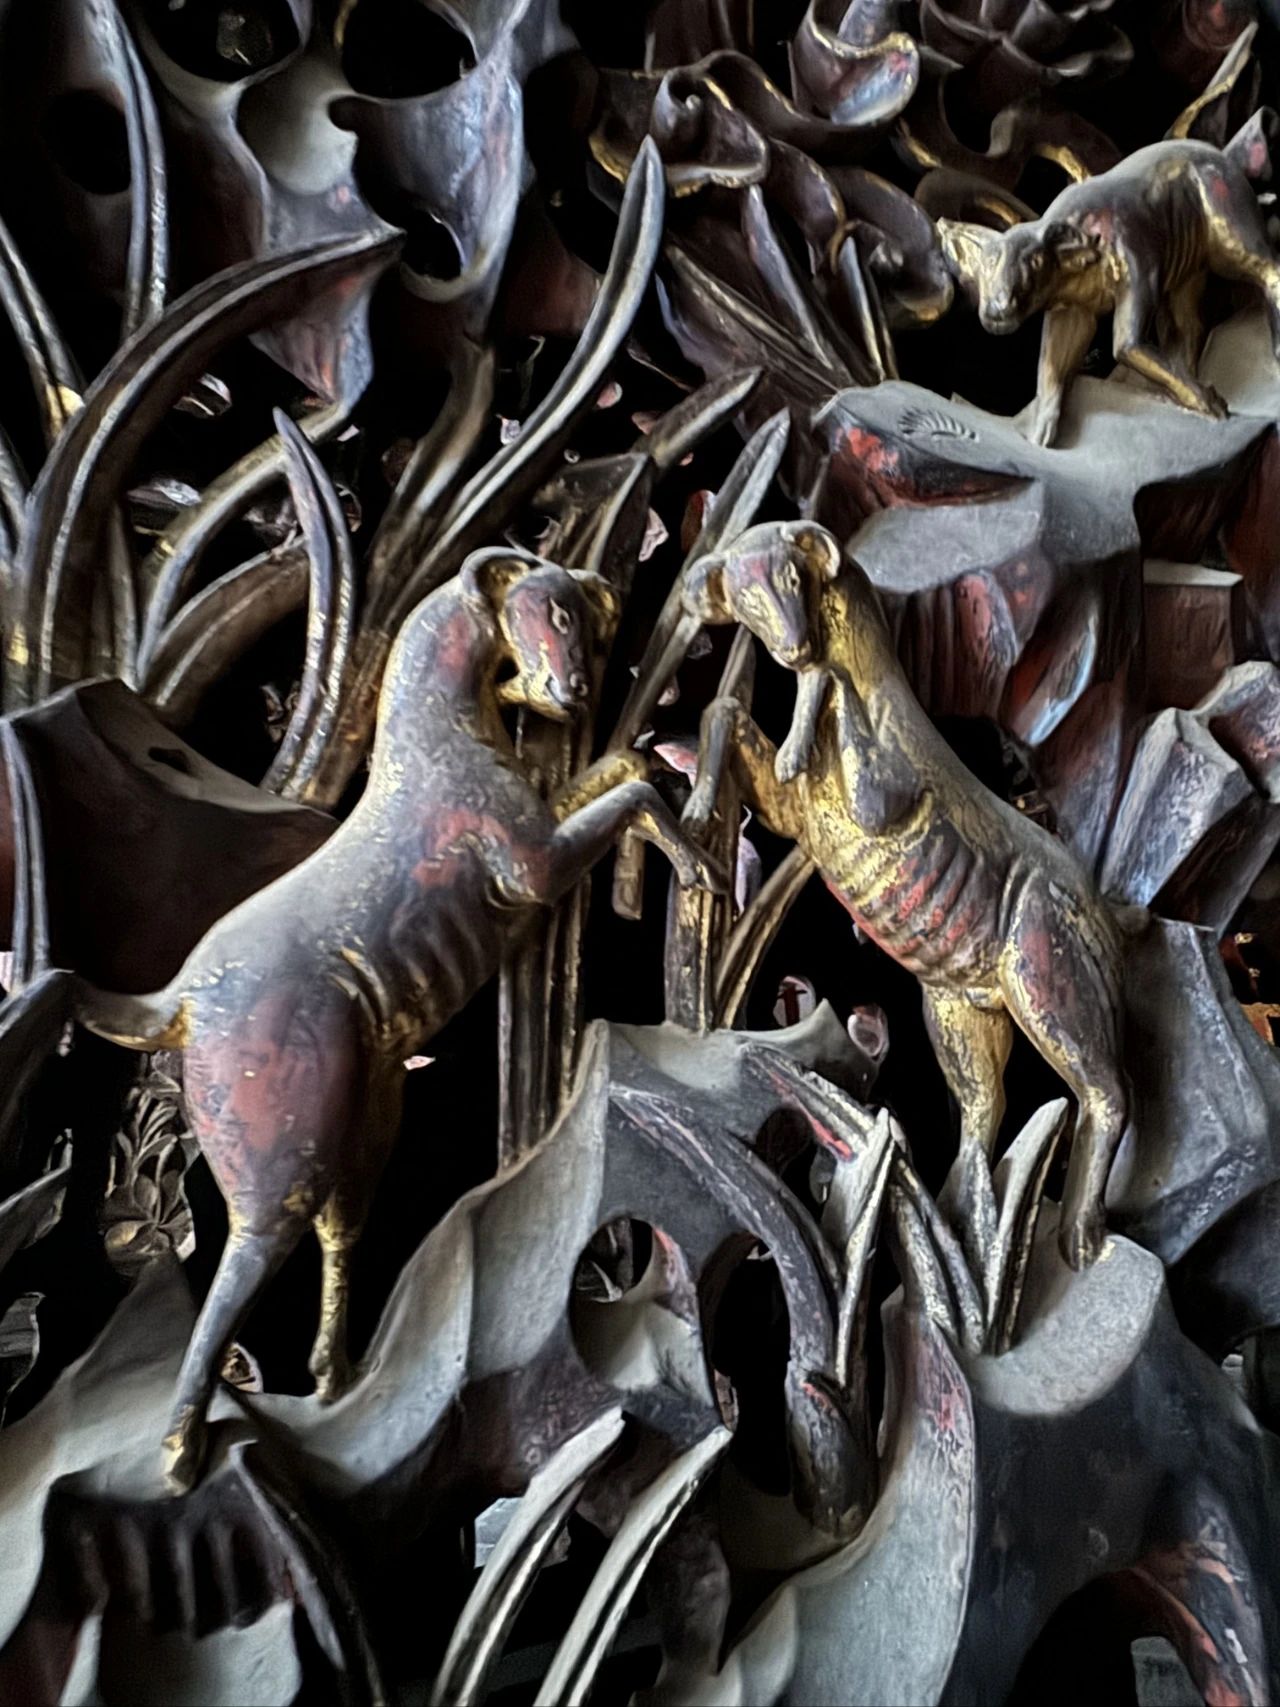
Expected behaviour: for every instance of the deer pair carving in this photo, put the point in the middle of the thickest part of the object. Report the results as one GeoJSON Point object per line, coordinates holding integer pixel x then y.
{"type": "Point", "coordinates": [993, 915]}
{"type": "Point", "coordinates": [297, 1011]}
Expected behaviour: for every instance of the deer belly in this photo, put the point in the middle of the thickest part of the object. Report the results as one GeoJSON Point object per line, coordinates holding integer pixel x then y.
{"type": "Point", "coordinates": [927, 900]}
{"type": "Point", "coordinates": [441, 952]}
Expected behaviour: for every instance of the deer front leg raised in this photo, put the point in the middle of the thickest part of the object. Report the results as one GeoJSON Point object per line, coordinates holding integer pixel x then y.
{"type": "Point", "coordinates": [587, 835]}
{"type": "Point", "coordinates": [729, 735]}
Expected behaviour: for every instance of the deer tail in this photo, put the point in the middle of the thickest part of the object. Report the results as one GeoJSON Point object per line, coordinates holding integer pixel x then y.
{"type": "Point", "coordinates": [158, 1021]}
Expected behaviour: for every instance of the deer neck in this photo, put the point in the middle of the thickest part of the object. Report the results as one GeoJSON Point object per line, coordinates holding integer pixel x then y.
{"type": "Point", "coordinates": [441, 677]}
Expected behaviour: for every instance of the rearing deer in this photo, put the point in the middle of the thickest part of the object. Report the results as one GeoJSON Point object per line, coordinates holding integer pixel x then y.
{"type": "Point", "coordinates": [297, 1011]}
{"type": "Point", "coordinates": [993, 915]}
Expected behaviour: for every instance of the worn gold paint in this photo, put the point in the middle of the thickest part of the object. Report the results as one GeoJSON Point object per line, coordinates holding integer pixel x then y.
{"type": "Point", "coordinates": [1067, 158]}
{"type": "Point", "coordinates": [993, 915]}
{"type": "Point", "coordinates": [1137, 242]}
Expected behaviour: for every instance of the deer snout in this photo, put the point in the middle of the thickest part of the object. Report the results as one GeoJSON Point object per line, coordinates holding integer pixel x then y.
{"type": "Point", "coordinates": [998, 314]}
{"type": "Point", "coordinates": [796, 656]}
{"type": "Point", "coordinates": [579, 686]}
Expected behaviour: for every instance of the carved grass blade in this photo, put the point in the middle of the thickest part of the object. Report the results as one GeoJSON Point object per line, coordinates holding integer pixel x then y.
{"type": "Point", "coordinates": [1019, 1183]}
{"type": "Point", "coordinates": [517, 466]}
{"type": "Point", "coordinates": [841, 1126]}
{"type": "Point", "coordinates": [851, 1220]}
{"type": "Point", "coordinates": [683, 428]}
{"type": "Point", "coordinates": [172, 562]}
{"type": "Point", "coordinates": [30, 927]}
{"type": "Point", "coordinates": [30, 1212]}
{"type": "Point", "coordinates": [614, 1585]}
{"type": "Point", "coordinates": [330, 615]}
{"type": "Point", "coordinates": [673, 632]}
{"type": "Point", "coordinates": [147, 272]}
{"type": "Point", "coordinates": [477, 514]}
{"type": "Point", "coordinates": [512, 1568]}
{"type": "Point", "coordinates": [753, 935]}
{"type": "Point", "coordinates": [129, 398]}
{"type": "Point", "coordinates": [430, 478]}
{"type": "Point", "coordinates": [55, 379]}
{"type": "Point", "coordinates": [216, 627]}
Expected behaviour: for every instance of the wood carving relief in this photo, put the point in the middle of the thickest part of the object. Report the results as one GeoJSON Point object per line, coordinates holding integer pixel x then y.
{"type": "Point", "coordinates": [640, 683]}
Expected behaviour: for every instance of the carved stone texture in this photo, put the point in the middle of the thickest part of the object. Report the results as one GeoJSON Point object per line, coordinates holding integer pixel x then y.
{"type": "Point", "coordinates": [1193, 618]}
{"type": "Point", "coordinates": [975, 1447]}
{"type": "Point", "coordinates": [1030, 611]}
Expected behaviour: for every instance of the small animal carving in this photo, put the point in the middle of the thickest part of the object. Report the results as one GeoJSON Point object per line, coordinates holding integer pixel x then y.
{"type": "Point", "coordinates": [992, 914]}
{"type": "Point", "coordinates": [1137, 242]}
{"type": "Point", "coordinates": [297, 1011]}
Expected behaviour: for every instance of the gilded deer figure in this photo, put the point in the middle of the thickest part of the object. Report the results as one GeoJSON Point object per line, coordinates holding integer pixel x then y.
{"type": "Point", "coordinates": [993, 915]}
{"type": "Point", "coordinates": [296, 1012]}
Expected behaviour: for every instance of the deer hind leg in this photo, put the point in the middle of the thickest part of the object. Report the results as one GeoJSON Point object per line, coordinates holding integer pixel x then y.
{"type": "Point", "coordinates": [972, 1046]}
{"type": "Point", "coordinates": [1061, 980]}
{"type": "Point", "coordinates": [252, 1254]}
{"type": "Point", "coordinates": [1186, 323]}
{"type": "Point", "coordinates": [338, 1228]}
{"type": "Point", "coordinates": [337, 1232]}
{"type": "Point", "coordinates": [1134, 344]}
{"type": "Point", "coordinates": [1239, 250]}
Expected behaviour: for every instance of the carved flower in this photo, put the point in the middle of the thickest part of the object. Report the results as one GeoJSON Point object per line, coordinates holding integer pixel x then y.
{"type": "Point", "coordinates": [1015, 48]}
{"type": "Point", "coordinates": [146, 1213]}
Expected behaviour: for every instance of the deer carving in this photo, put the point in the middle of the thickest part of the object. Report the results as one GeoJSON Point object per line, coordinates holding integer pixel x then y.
{"type": "Point", "coordinates": [297, 1011]}
{"type": "Point", "coordinates": [993, 915]}
{"type": "Point", "coordinates": [1138, 242]}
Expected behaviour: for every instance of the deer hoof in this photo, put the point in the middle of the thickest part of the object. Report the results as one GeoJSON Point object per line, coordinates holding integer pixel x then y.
{"type": "Point", "coordinates": [1082, 1237]}
{"type": "Point", "coordinates": [183, 1452]}
{"type": "Point", "coordinates": [331, 1384]}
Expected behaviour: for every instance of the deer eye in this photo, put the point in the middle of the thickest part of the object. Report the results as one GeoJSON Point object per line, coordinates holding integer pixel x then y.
{"type": "Point", "coordinates": [1036, 261]}
{"type": "Point", "coordinates": [561, 620]}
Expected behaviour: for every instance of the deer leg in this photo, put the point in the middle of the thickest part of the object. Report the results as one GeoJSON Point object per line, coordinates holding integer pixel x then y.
{"type": "Point", "coordinates": [1064, 341]}
{"type": "Point", "coordinates": [337, 1233]}
{"type": "Point", "coordinates": [972, 1046]}
{"type": "Point", "coordinates": [338, 1227]}
{"type": "Point", "coordinates": [730, 736]}
{"type": "Point", "coordinates": [1133, 344]}
{"type": "Point", "coordinates": [251, 1256]}
{"type": "Point", "coordinates": [1061, 983]}
{"type": "Point", "coordinates": [1187, 323]}
{"type": "Point", "coordinates": [607, 772]}
{"type": "Point", "coordinates": [587, 835]}
{"type": "Point", "coordinates": [1245, 255]}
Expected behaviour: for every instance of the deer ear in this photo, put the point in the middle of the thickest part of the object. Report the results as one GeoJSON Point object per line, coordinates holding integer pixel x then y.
{"type": "Point", "coordinates": [969, 250]}
{"type": "Point", "coordinates": [486, 576]}
{"type": "Point", "coordinates": [703, 593]}
{"type": "Point", "coordinates": [1071, 248]}
{"type": "Point", "coordinates": [820, 549]}
{"type": "Point", "coordinates": [602, 596]}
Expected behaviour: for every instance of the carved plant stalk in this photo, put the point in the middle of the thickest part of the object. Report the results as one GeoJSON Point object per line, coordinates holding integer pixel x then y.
{"type": "Point", "coordinates": [476, 514]}
{"type": "Point", "coordinates": [698, 924]}
{"type": "Point", "coordinates": [601, 512]}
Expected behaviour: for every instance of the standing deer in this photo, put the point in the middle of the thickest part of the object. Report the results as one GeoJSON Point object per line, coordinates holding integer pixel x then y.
{"type": "Point", "coordinates": [992, 914]}
{"type": "Point", "coordinates": [1137, 242]}
{"type": "Point", "coordinates": [296, 1012]}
